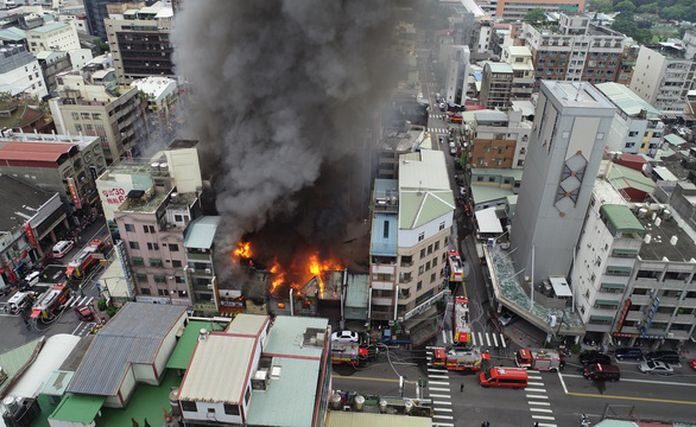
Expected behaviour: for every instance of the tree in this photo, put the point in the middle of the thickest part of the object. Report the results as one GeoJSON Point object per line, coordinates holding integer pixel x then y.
{"type": "Point", "coordinates": [604, 6]}
{"type": "Point", "coordinates": [626, 6]}
{"type": "Point", "coordinates": [648, 8]}
{"type": "Point", "coordinates": [534, 16]}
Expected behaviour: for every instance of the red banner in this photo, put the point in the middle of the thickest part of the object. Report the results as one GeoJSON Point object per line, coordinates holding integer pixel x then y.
{"type": "Point", "coordinates": [73, 193]}
{"type": "Point", "coordinates": [31, 238]}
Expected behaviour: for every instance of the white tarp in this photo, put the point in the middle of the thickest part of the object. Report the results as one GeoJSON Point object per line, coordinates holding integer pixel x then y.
{"type": "Point", "coordinates": [488, 222]}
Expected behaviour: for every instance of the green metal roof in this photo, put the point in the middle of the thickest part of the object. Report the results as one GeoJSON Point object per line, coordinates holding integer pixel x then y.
{"type": "Point", "coordinates": [287, 332]}
{"type": "Point", "coordinates": [78, 408]}
{"type": "Point", "coordinates": [620, 219]}
{"type": "Point", "coordinates": [420, 207]}
{"type": "Point", "coordinates": [622, 177]}
{"type": "Point", "coordinates": [626, 99]}
{"type": "Point", "coordinates": [47, 28]}
{"type": "Point", "coordinates": [506, 173]}
{"type": "Point", "coordinates": [15, 361]}
{"type": "Point", "coordinates": [357, 295]}
{"type": "Point", "coordinates": [489, 193]}
{"type": "Point", "coordinates": [675, 139]}
{"type": "Point", "coordinates": [184, 347]}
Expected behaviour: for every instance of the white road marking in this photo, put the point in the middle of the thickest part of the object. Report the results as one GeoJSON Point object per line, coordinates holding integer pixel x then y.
{"type": "Point", "coordinates": [488, 340]}
{"type": "Point", "coordinates": [440, 382]}
{"type": "Point", "coordinates": [533, 371]}
{"type": "Point", "coordinates": [76, 328]}
{"type": "Point", "coordinates": [438, 388]}
{"type": "Point", "coordinates": [534, 402]}
{"type": "Point", "coordinates": [537, 396]}
{"type": "Point", "coordinates": [480, 337]}
{"type": "Point", "coordinates": [546, 425]}
{"type": "Point", "coordinates": [560, 377]}
{"type": "Point", "coordinates": [544, 410]}
{"type": "Point", "coordinates": [535, 390]}
{"type": "Point", "coordinates": [89, 301]}
{"type": "Point", "coordinates": [495, 339]}
{"type": "Point", "coordinates": [441, 402]}
{"type": "Point", "coordinates": [436, 370]}
{"type": "Point", "coordinates": [443, 424]}
{"type": "Point", "coordinates": [444, 396]}
{"type": "Point", "coordinates": [67, 304]}
{"type": "Point", "coordinates": [444, 377]}
{"type": "Point", "coordinates": [442, 409]}
{"type": "Point", "coordinates": [444, 336]}
{"type": "Point", "coordinates": [632, 380]}
{"type": "Point", "coordinates": [444, 417]}
{"type": "Point", "coordinates": [534, 377]}
{"type": "Point", "coordinates": [502, 340]}
{"type": "Point", "coordinates": [535, 383]}
{"type": "Point", "coordinates": [543, 417]}
{"type": "Point", "coordinates": [473, 339]}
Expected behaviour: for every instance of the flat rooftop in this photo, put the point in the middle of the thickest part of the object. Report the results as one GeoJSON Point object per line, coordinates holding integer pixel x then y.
{"type": "Point", "coordinates": [20, 202]}
{"type": "Point", "coordinates": [627, 100]}
{"type": "Point", "coordinates": [577, 94]}
{"type": "Point", "coordinates": [384, 232]}
{"type": "Point", "coordinates": [287, 336]}
{"type": "Point", "coordinates": [660, 245]}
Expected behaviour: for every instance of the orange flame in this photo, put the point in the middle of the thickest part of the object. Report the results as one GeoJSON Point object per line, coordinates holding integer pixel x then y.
{"type": "Point", "coordinates": [243, 250]}
{"type": "Point", "coordinates": [278, 276]}
{"type": "Point", "coordinates": [317, 269]}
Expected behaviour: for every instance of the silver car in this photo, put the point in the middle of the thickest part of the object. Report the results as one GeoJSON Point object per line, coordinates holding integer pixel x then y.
{"type": "Point", "coordinates": [655, 367]}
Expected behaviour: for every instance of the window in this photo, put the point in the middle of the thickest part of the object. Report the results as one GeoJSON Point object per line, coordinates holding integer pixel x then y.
{"type": "Point", "coordinates": [432, 277]}
{"type": "Point", "coordinates": [421, 236]}
{"type": "Point", "coordinates": [182, 294]}
{"type": "Point", "coordinates": [162, 292]}
{"type": "Point", "coordinates": [427, 266]}
{"type": "Point", "coordinates": [179, 279]}
{"type": "Point", "coordinates": [75, 116]}
{"type": "Point", "coordinates": [140, 277]}
{"type": "Point", "coordinates": [442, 226]}
{"type": "Point", "coordinates": [173, 247]}
{"type": "Point", "coordinates": [190, 406]}
{"type": "Point", "coordinates": [134, 245]}
{"type": "Point", "coordinates": [145, 291]}
{"type": "Point", "coordinates": [385, 231]}
{"type": "Point", "coordinates": [148, 228]}
{"type": "Point", "coordinates": [176, 263]}
{"type": "Point", "coordinates": [430, 249]}
{"type": "Point", "coordinates": [231, 409]}
{"type": "Point", "coordinates": [129, 228]}
{"type": "Point", "coordinates": [419, 285]}
{"type": "Point", "coordinates": [434, 261]}
{"type": "Point", "coordinates": [152, 246]}
{"type": "Point", "coordinates": [159, 278]}
{"type": "Point", "coordinates": [155, 262]}
{"type": "Point", "coordinates": [247, 395]}
{"type": "Point", "coordinates": [422, 253]}
{"type": "Point", "coordinates": [437, 245]}
{"type": "Point", "coordinates": [136, 260]}
{"type": "Point", "coordinates": [420, 270]}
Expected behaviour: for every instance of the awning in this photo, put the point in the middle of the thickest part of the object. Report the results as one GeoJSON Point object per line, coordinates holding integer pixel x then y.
{"type": "Point", "coordinates": [488, 222]}
{"type": "Point", "coordinates": [78, 408]}
{"type": "Point", "coordinates": [560, 287]}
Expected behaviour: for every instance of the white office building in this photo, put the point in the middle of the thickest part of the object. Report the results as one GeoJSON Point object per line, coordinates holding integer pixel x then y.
{"type": "Point", "coordinates": [457, 74]}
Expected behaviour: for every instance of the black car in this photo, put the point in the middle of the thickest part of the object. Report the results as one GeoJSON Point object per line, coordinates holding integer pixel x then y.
{"type": "Point", "coordinates": [593, 356]}
{"type": "Point", "coordinates": [628, 353]}
{"type": "Point", "coordinates": [667, 356]}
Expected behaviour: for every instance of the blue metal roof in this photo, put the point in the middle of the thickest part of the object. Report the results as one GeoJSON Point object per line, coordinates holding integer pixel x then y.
{"type": "Point", "coordinates": [201, 232]}
{"type": "Point", "coordinates": [383, 236]}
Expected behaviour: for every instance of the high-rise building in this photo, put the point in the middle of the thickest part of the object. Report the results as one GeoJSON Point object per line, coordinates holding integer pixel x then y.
{"type": "Point", "coordinates": [139, 41]}
{"type": "Point", "coordinates": [499, 139]}
{"type": "Point", "coordinates": [571, 125]}
{"type": "Point", "coordinates": [663, 76]}
{"type": "Point", "coordinates": [496, 86]}
{"type": "Point", "coordinates": [520, 59]}
{"type": "Point", "coordinates": [96, 11]}
{"type": "Point", "coordinates": [457, 73]}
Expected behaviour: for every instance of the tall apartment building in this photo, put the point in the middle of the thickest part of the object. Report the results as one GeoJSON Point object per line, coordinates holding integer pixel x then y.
{"type": "Point", "coordinates": [628, 62]}
{"type": "Point", "coordinates": [139, 42]}
{"type": "Point", "coordinates": [457, 74]}
{"type": "Point", "coordinates": [65, 164]}
{"type": "Point", "coordinates": [96, 11]}
{"type": "Point", "coordinates": [20, 72]}
{"type": "Point", "coordinates": [571, 126]}
{"type": "Point", "coordinates": [199, 243]}
{"type": "Point", "coordinates": [53, 36]}
{"type": "Point", "coordinates": [634, 272]}
{"type": "Point", "coordinates": [496, 85]}
{"type": "Point", "coordinates": [411, 225]}
{"type": "Point", "coordinates": [637, 127]}
{"type": "Point", "coordinates": [663, 77]}
{"type": "Point", "coordinates": [517, 9]}
{"type": "Point", "coordinates": [53, 63]}
{"type": "Point", "coordinates": [499, 139]}
{"type": "Point", "coordinates": [152, 225]}
{"type": "Point", "coordinates": [520, 59]}
{"type": "Point", "coordinates": [161, 94]}
{"type": "Point", "coordinates": [574, 50]}
{"type": "Point", "coordinates": [95, 107]}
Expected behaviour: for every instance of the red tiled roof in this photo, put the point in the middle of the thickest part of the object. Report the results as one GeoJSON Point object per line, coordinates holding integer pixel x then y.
{"type": "Point", "coordinates": [34, 151]}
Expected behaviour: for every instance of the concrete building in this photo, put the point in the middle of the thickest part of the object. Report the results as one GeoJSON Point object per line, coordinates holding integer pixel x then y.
{"type": "Point", "coordinates": [161, 94]}
{"type": "Point", "coordinates": [663, 78]}
{"type": "Point", "coordinates": [67, 165]}
{"type": "Point", "coordinates": [627, 64]}
{"type": "Point", "coordinates": [411, 225]}
{"type": "Point", "coordinates": [499, 139]}
{"type": "Point", "coordinates": [575, 49]}
{"type": "Point", "coordinates": [496, 86]}
{"type": "Point", "coordinates": [53, 36]}
{"type": "Point", "coordinates": [20, 72]}
{"type": "Point", "coordinates": [29, 220]}
{"type": "Point", "coordinates": [53, 63]}
{"type": "Point", "coordinates": [517, 9]}
{"type": "Point", "coordinates": [520, 59]}
{"type": "Point", "coordinates": [152, 225]}
{"type": "Point", "coordinates": [96, 11]}
{"type": "Point", "coordinates": [95, 107]}
{"type": "Point", "coordinates": [259, 374]}
{"type": "Point", "coordinates": [134, 34]}
{"type": "Point", "coordinates": [457, 74]}
{"type": "Point", "coordinates": [199, 243]}
{"type": "Point", "coordinates": [637, 127]}
{"type": "Point", "coordinates": [571, 126]}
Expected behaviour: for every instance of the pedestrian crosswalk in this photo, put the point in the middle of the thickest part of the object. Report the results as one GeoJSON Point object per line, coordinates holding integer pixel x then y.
{"type": "Point", "coordinates": [77, 300]}
{"type": "Point", "coordinates": [437, 130]}
{"type": "Point", "coordinates": [538, 400]}
{"type": "Point", "coordinates": [488, 339]}
{"type": "Point", "coordinates": [439, 393]}
{"type": "Point", "coordinates": [438, 116]}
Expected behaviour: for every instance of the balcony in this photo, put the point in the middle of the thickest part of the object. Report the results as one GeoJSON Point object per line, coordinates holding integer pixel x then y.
{"type": "Point", "coordinates": [640, 299]}
{"type": "Point", "coordinates": [382, 301]}
{"type": "Point", "coordinates": [382, 286]}
{"type": "Point", "coordinates": [662, 317]}
{"type": "Point", "coordinates": [684, 318]}
{"type": "Point", "coordinates": [199, 257]}
{"type": "Point", "coordinates": [669, 301]}
{"type": "Point", "coordinates": [634, 315]}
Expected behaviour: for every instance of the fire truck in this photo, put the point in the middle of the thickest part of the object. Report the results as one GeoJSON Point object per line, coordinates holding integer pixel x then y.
{"type": "Point", "coordinates": [86, 259]}
{"type": "Point", "coordinates": [461, 330]}
{"type": "Point", "coordinates": [456, 267]}
{"type": "Point", "coordinates": [541, 360]}
{"type": "Point", "coordinates": [50, 302]}
{"type": "Point", "coordinates": [348, 353]}
{"type": "Point", "coordinates": [460, 360]}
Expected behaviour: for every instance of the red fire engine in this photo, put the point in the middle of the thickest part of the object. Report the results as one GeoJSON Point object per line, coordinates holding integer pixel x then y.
{"type": "Point", "coordinates": [49, 303]}
{"type": "Point", "coordinates": [459, 360]}
{"type": "Point", "coordinates": [348, 353]}
{"type": "Point", "coordinates": [86, 259]}
{"type": "Point", "coordinates": [461, 330]}
{"type": "Point", "coordinates": [456, 267]}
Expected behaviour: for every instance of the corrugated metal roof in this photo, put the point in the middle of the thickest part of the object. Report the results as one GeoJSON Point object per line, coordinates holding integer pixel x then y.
{"type": "Point", "coordinates": [201, 232]}
{"type": "Point", "coordinates": [247, 324]}
{"type": "Point", "coordinates": [218, 369]}
{"type": "Point", "coordinates": [287, 336]}
{"type": "Point", "coordinates": [621, 219]}
{"type": "Point", "coordinates": [47, 28]}
{"type": "Point", "coordinates": [134, 335]}
{"type": "Point", "coordinates": [361, 419]}
{"type": "Point", "coordinates": [626, 100]}
{"type": "Point", "coordinates": [34, 151]}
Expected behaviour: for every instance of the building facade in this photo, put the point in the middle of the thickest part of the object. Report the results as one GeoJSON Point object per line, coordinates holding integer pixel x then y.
{"type": "Point", "coordinates": [139, 42]}
{"type": "Point", "coordinates": [20, 72]}
{"type": "Point", "coordinates": [96, 12]}
{"type": "Point", "coordinates": [520, 59]}
{"type": "Point", "coordinates": [517, 9]}
{"type": "Point", "coordinates": [53, 63]}
{"type": "Point", "coordinates": [53, 36]}
{"type": "Point", "coordinates": [566, 145]}
{"type": "Point", "coordinates": [496, 86]}
{"type": "Point", "coordinates": [663, 78]}
{"type": "Point", "coordinates": [457, 74]}
{"type": "Point", "coordinates": [499, 139]}
{"type": "Point", "coordinates": [199, 243]}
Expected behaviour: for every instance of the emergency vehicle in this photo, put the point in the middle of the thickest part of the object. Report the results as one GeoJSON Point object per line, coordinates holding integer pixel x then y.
{"type": "Point", "coordinates": [348, 353]}
{"type": "Point", "coordinates": [541, 360]}
{"type": "Point", "coordinates": [50, 302]}
{"type": "Point", "coordinates": [461, 330]}
{"type": "Point", "coordinates": [504, 378]}
{"type": "Point", "coordinates": [456, 267]}
{"type": "Point", "coordinates": [459, 360]}
{"type": "Point", "coordinates": [86, 259]}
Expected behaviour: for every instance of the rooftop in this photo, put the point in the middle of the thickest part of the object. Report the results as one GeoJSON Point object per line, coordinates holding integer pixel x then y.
{"type": "Point", "coordinates": [248, 324]}
{"type": "Point", "coordinates": [508, 173]}
{"type": "Point", "coordinates": [78, 408]}
{"type": "Point", "coordinates": [674, 139]}
{"type": "Point", "coordinates": [15, 361]}
{"type": "Point", "coordinates": [134, 335]}
{"type": "Point", "coordinates": [360, 419]}
{"type": "Point", "coordinates": [660, 245]}
{"type": "Point", "coordinates": [383, 236]}
{"type": "Point", "coordinates": [43, 152]}
{"type": "Point", "coordinates": [287, 336]}
{"type": "Point", "coordinates": [13, 34]}
{"type": "Point", "coordinates": [154, 86]}
{"type": "Point", "coordinates": [491, 116]}
{"type": "Point", "coordinates": [620, 219]}
{"type": "Point", "coordinates": [20, 202]}
{"type": "Point", "coordinates": [47, 28]}
{"type": "Point", "coordinates": [626, 100]}
{"type": "Point", "coordinates": [623, 177]}
{"type": "Point", "coordinates": [519, 51]}
{"type": "Point", "coordinates": [181, 356]}
{"type": "Point", "coordinates": [577, 94]}
{"type": "Point", "coordinates": [487, 193]}
{"type": "Point", "coordinates": [499, 67]}
{"type": "Point", "coordinates": [424, 188]}
{"type": "Point", "coordinates": [201, 232]}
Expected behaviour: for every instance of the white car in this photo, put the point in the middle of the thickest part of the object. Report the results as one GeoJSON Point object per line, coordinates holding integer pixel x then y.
{"type": "Point", "coordinates": [345, 336]}
{"type": "Point", "coordinates": [655, 367]}
{"type": "Point", "coordinates": [32, 278]}
{"type": "Point", "coordinates": [62, 248]}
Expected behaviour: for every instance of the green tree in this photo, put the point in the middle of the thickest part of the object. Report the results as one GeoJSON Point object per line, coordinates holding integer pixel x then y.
{"type": "Point", "coordinates": [604, 6]}
{"type": "Point", "coordinates": [626, 6]}
{"type": "Point", "coordinates": [534, 16]}
{"type": "Point", "coordinates": [649, 8]}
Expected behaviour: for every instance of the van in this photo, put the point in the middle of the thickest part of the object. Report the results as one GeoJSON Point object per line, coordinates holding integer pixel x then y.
{"type": "Point", "coordinates": [667, 356]}
{"type": "Point", "coordinates": [62, 248]}
{"type": "Point", "coordinates": [631, 353]}
{"type": "Point", "coordinates": [601, 372]}
{"type": "Point", "coordinates": [504, 378]}
{"type": "Point", "coordinates": [19, 301]}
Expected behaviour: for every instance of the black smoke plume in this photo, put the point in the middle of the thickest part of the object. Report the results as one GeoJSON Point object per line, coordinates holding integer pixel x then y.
{"type": "Point", "coordinates": [284, 95]}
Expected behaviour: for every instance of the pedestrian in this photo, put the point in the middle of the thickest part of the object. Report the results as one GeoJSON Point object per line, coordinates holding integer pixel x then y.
{"type": "Point", "coordinates": [461, 388]}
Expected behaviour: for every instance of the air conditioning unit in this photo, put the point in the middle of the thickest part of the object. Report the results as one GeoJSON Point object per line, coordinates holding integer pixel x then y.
{"type": "Point", "coordinates": [260, 380]}
{"type": "Point", "coordinates": [210, 286]}
{"type": "Point", "coordinates": [208, 271]}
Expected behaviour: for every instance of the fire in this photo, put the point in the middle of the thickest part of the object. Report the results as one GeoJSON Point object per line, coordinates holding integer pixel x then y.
{"type": "Point", "coordinates": [278, 276]}
{"type": "Point", "coordinates": [317, 269]}
{"type": "Point", "coordinates": [243, 250]}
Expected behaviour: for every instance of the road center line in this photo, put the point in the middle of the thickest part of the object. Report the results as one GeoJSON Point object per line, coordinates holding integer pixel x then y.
{"type": "Point", "coordinates": [632, 380]}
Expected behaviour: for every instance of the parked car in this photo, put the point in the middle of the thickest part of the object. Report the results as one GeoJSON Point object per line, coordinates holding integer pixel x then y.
{"type": "Point", "coordinates": [62, 248]}
{"type": "Point", "coordinates": [453, 150]}
{"type": "Point", "coordinates": [84, 313]}
{"type": "Point", "coordinates": [593, 356]}
{"type": "Point", "coordinates": [345, 336]}
{"type": "Point", "coordinates": [667, 356]}
{"type": "Point", "coordinates": [655, 367]}
{"type": "Point", "coordinates": [628, 353]}
{"type": "Point", "coordinates": [601, 372]}
{"type": "Point", "coordinates": [692, 363]}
